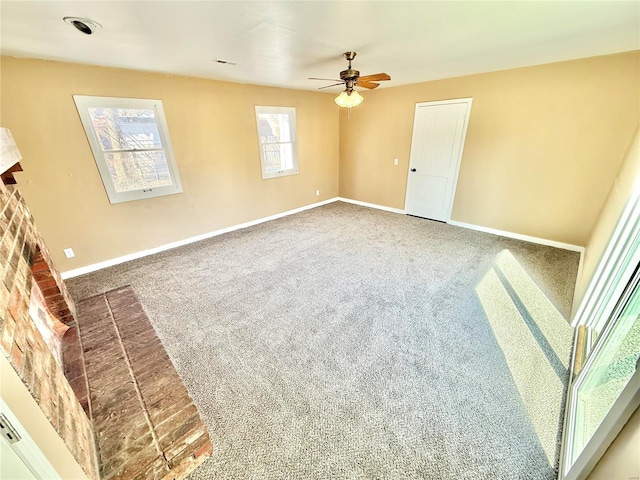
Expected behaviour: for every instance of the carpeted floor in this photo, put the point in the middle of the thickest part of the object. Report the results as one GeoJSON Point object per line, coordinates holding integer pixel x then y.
{"type": "Point", "coordinates": [347, 342]}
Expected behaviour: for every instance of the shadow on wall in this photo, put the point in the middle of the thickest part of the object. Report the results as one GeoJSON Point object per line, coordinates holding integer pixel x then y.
{"type": "Point", "coordinates": [536, 341]}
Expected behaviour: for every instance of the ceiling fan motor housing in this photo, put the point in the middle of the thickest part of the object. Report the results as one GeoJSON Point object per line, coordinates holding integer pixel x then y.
{"type": "Point", "coordinates": [349, 74]}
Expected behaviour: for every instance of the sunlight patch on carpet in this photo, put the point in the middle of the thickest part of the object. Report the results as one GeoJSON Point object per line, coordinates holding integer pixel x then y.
{"type": "Point", "coordinates": [535, 340]}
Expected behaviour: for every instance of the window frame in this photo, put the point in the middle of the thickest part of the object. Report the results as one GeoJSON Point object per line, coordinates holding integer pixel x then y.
{"type": "Point", "coordinates": [291, 112]}
{"type": "Point", "coordinates": [605, 293]}
{"type": "Point", "coordinates": [85, 102]}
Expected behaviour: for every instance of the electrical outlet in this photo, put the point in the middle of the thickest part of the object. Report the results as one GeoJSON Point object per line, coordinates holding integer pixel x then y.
{"type": "Point", "coordinates": [69, 253]}
{"type": "Point", "coordinates": [317, 193]}
{"type": "Point", "coordinates": [395, 161]}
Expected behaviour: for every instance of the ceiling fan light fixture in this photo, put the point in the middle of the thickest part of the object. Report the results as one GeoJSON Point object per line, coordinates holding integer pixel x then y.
{"type": "Point", "coordinates": [349, 99]}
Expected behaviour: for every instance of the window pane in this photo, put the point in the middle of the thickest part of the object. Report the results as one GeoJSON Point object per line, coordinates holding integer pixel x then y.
{"type": "Point", "coordinates": [607, 376]}
{"type": "Point", "coordinates": [125, 128]}
{"type": "Point", "coordinates": [277, 141]}
{"type": "Point", "coordinates": [138, 170]}
{"type": "Point", "coordinates": [278, 157]}
{"type": "Point", "coordinates": [274, 127]}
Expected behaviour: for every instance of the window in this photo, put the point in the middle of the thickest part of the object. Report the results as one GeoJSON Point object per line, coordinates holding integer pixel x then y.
{"type": "Point", "coordinates": [277, 141]}
{"type": "Point", "coordinates": [131, 146]}
{"type": "Point", "coordinates": [605, 392]}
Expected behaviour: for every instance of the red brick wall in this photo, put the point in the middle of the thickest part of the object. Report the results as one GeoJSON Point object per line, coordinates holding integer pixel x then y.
{"type": "Point", "coordinates": [24, 259]}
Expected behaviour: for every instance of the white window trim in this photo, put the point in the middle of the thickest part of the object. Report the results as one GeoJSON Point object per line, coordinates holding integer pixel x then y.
{"type": "Point", "coordinates": [597, 311]}
{"type": "Point", "coordinates": [83, 103]}
{"type": "Point", "coordinates": [613, 422]}
{"type": "Point", "coordinates": [291, 112]}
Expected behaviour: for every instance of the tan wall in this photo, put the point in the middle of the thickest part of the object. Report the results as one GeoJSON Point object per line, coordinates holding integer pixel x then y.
{"type": "Point", "coordinates": [214, 135]}
{"type": "Point", "coordinates": [620, 192]}
{"type": "Point", "coordinates": [543, 144]}
{"type": "Point", "coordinates": [622, 458]}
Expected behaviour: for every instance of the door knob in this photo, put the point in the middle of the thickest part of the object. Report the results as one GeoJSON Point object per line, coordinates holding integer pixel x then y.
{"type": "Point", "coordinates": [413, 169]}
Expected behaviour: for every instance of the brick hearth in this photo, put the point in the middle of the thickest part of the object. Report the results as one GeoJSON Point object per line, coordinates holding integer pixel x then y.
{"type": "Point", "coordinates": [145, 422]}
{"type": "Point", "coordinates": [98, 373]}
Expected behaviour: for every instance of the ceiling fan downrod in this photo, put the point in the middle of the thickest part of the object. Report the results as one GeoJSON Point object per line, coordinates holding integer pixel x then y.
{"type": "Point", "coordinates": [350, 76]}
{"type": "Point", "coordinates": [349, 56]}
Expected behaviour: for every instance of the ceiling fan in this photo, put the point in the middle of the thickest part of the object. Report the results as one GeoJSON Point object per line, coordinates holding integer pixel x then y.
{"type": "Point", "coordinates": [351, 78]}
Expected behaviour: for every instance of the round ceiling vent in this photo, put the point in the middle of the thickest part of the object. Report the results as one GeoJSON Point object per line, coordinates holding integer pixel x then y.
{"type": "Point", "coordinates": [85, 25]}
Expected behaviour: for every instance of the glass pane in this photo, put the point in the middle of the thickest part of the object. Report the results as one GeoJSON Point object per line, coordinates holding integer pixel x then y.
{"type": "Point", "coordinates": [278, 157]}
{"type": "Point", "coordinates": [138, 170]}
{"type": "Point", "coordinates": [607, 376]}
{"type": "Point", "coordinates": [125, 128]}
{"type": "Point", "coordinates": [274, 127]}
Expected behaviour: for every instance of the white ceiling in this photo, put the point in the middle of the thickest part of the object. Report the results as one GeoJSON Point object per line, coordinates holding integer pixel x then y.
{"type": "Point", "coordinates": [282, 43]}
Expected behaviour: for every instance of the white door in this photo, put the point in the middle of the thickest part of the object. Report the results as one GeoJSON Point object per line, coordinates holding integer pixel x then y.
{"type": "Point", "coordinates": [20, 456]}
{"type": "Point", "coordinates": [12, 467]}
{"type": "Point", "coordinates": [439, 129]}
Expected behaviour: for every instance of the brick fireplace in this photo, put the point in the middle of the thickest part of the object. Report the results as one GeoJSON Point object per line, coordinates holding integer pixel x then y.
{"type": "Point", "coordinates": [37, 327]}
{"type": "Point", "coordinates": [98, 372]}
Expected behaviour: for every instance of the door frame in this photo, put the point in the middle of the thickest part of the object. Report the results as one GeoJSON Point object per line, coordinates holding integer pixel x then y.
{"type": "Point", "coordinates": [469, 102]}
{"type": "Point", "coordinates": [26, 448]}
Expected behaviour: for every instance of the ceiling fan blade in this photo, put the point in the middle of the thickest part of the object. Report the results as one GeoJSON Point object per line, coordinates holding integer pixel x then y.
{"type": "Point", "coordinates": [365, 84]}
{"type": "Point", "coordinates": [326, 79]}
{"type": "Point", "coordinates": [377, 77]}
{"type": "Point", "coordinates": [327, 86]}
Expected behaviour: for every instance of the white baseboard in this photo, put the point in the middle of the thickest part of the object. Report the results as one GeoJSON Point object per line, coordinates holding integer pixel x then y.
{"type": "Point", "coordinates": [132, 256]}
{"type": "Point", "coordinates": [527, 238]}
{"type": "Point", "coordinates": [503, 233]}
{"type": "Point", "coordinates": [370, 205]}
{"type": "Point", "coordinates": [518, 236]}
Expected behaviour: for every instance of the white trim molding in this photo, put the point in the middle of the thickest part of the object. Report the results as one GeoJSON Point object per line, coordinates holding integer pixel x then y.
{"type": "Point", "coordinates": [519, 236]}
{"type": "Point", "coordinates": [615, 267]}
{"type": "Point", "coordinates": [527, 238]}
{"type": "Point", "coordinates": [26, 448]}
{"type": "Point", "coordinates": [611, 425]}
{"type": "Point", "coordinates": [370, 205]}
{"type": "Point", "coordinates": [133, 256]}
{"type": "Point", "coordinates": [168, 246]}
{"type": "Point", "coordinates": [479, 228]}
